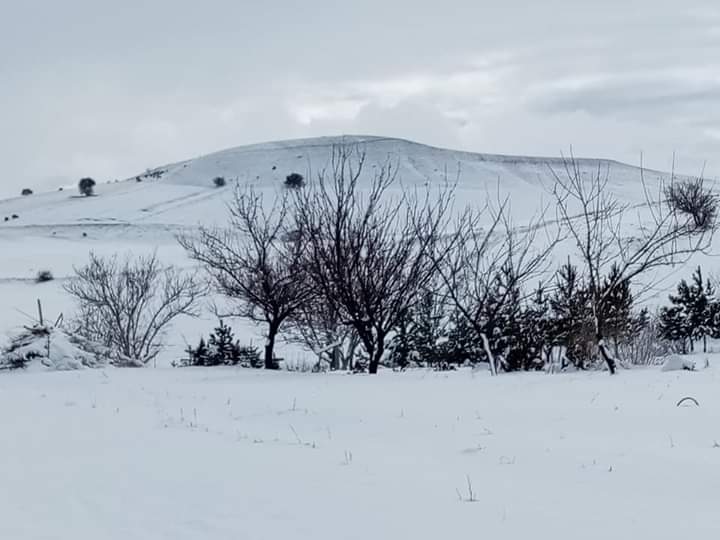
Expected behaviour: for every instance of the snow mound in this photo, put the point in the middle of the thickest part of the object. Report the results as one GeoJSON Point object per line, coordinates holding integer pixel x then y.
{"type": "Point", "coordinates": [676, 362]}
{"type": "Point", "coordinates": [50, 348]}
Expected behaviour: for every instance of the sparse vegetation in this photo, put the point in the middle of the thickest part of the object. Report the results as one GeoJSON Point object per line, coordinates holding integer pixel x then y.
{"type": "Point", "coordinates": [86, 186]}
{"type": "Point", "coordinates": [368, 256]}
{"type": "Point", "coordinates": [366, 277]}
{"type": "Point", "coordinates": [221, 349]}
{"type": "Point", "coordinates": [251, 265]}
{"type": "Point", "coordinates": [127, 304]}
{"type": "Point", "coordinates": [294, 181]}
{"type": "Point", "coordinates": [44, 276]}
{"type": "Point", "coordinates": [680, 226]}
{"type": "Point", "coordinates": [691, 198]}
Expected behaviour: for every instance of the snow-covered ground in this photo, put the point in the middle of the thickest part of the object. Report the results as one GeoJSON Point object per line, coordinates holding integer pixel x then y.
{"type": "Point", "coordinates": [230, 453]}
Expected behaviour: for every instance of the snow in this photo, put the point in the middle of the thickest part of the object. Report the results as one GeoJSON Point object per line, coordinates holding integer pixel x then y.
{"type": "Point", "coordinates": [676, 362]}
{"type": "Point", "coordinates": [49, 348]}
{"type": "Point", "coordinates": [225, 453]}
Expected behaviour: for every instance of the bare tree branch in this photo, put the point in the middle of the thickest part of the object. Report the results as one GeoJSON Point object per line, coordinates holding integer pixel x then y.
{"type": "Point", "coordinates": [598, 223]}
{"type": "Point", "coordinates": [126, 305]}
{"type": "Point", "coordinates": [255, 262]}
{"type": "Point", "coordinates": [367, 252]}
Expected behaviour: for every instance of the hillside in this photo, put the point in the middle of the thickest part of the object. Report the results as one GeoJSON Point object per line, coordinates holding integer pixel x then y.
{"type": "Point", "coordinates": [56, 230]}
{"type": "Point", "coordinates": [182, 194]}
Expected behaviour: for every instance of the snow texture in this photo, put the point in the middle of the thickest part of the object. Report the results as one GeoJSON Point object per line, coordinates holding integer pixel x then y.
{"type": "Point", "coordinates": [227, 453]}
{"type": "Point", "coordinates": [50, 348]}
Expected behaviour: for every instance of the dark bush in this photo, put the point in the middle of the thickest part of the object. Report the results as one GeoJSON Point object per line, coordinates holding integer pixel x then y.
{"type": "Point", "coordinates": [294, 181]}
{"type": "Point", "coordinates": [86, 186]}
{"type": "Point", "coordinates": [44, 276]}
{"type": "Point", "coordinates": [27, 191]}
{"type": "Point", "coordinates": [15, 216]}
{"type": "Point", "coordinates": [691, 198]}
{"type": "Point", "coordinates": [219, 181]}
{"type": "Point", "coordinates": [221, 349]}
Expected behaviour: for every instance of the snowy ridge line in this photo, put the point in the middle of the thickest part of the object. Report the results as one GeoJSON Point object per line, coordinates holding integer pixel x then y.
{"type": "Point", "coordinates": [364, 140]}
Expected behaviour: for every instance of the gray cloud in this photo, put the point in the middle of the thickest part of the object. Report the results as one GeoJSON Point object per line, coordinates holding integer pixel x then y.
{"type": "Point", "coordinates": [108, 89]}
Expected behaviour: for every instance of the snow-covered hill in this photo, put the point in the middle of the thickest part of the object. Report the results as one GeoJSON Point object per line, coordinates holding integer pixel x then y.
{"type": "Point", "coordinates": [182, 194]}
{"type": "Point", "coordinates": [56, 230]}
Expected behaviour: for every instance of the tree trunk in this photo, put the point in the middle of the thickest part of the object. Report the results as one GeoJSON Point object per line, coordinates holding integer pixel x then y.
{"type": "Point", "coordinates": [488, 352]}
{"type": "Point", "coordinates": [609, 360]}
{"type": "Point", "coordinates": [704, 343]}
{"type": "Point", "coordinates": [270, 347]}
{"type": "Point", "coordinates": [335, 364]}
{"type": "Point", "coordinates": [376, 357]}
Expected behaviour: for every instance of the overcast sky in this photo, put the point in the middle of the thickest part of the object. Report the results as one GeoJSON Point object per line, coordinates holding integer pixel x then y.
{"type": "Point", "coordinates": [107, 89]}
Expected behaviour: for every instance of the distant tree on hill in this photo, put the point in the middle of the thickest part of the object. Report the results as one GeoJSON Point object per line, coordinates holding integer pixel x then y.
{"type": "Point", "coordinates": [219, 181]}
{"type": "Point", "coordinates": [44, 276]}
{"type": "Point", "coordinates": [27, 191]}
{"type": "Point", "coordinates": [294, 181]}
{"type": "Point", "coordinates": [86, 186]}
{"type": "Point", "coordinates": [692, 198]}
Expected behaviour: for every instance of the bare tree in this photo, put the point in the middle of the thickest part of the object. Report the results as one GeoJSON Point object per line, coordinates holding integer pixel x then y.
{"type": "Point", "coordinates": [317, 326]}
{"type": "Point", "coordinates": [255, 263]}
{"type": "Point", "coordinates": [597, 222]}
{"type": "Point", "coordinates": [479, 256]}
{"type": "Point", "coordinates": [366, 251]}
{"type": "Point", "coordinates": [127, 304]}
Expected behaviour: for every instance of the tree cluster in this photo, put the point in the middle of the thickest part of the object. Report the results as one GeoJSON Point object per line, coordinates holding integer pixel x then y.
{"type": "Point", "coordinates": [221, 349]}
{"type": "Point", "coordinates": [366, 276]}
{"type": "Point", "coordinates": [694, 314]}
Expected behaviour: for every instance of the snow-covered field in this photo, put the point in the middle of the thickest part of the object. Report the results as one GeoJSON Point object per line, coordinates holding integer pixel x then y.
{"type": "Point", "coordinates": [226, 454]}
{"type": "Point", "coordinates": [229, 453]}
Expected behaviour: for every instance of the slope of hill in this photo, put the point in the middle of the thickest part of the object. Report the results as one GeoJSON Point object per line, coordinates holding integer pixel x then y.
{"type": "Point", "coordinates": [182, 194]}
{"type": "Point", "coordinates": [56, 230]}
